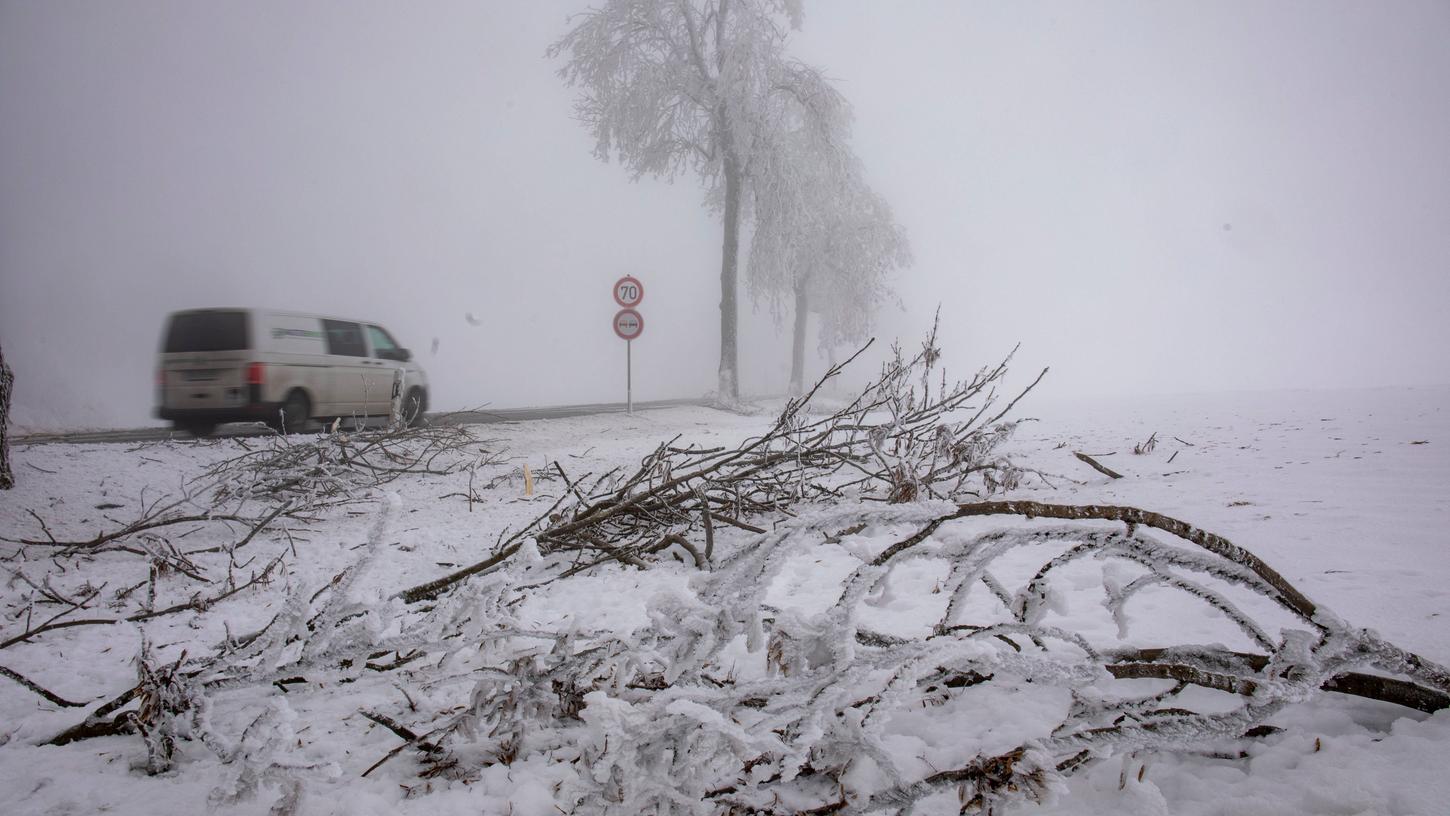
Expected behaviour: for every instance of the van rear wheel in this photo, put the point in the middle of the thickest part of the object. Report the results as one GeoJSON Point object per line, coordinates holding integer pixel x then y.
{"type": "Point", "coordinates": [198, 428]}
{"type": "Point", "coordinates": [295, 412]}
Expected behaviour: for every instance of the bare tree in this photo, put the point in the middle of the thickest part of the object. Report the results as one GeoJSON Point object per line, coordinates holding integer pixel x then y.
{"type": "Point", "coordinates": [7, 480]}
{"type": "Point", "coordinates": [669, 86]}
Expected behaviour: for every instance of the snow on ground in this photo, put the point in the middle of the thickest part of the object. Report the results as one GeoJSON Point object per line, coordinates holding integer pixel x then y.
{"type": "Point", "coordinates": [1346, 493]}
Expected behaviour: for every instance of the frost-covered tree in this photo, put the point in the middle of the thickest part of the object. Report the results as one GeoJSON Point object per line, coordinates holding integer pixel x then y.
{"type": "Point", "coordinates": [822, 237]}
{"type": "Point", "coordinates": [675, 86]}
{"type": "Point", "coordinates": [865, 246]}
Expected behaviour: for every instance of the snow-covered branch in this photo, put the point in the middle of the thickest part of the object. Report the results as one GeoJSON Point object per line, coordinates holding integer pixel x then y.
{"type": "Point", "coordinates": [723, 701]}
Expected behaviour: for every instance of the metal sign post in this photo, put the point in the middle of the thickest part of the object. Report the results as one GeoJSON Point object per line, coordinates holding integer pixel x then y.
{"type": "Point", "coordinates": [628, 324]}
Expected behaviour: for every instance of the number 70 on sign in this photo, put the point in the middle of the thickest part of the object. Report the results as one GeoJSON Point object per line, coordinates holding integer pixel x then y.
{"type": "Point", "coordinates": [628, 291]}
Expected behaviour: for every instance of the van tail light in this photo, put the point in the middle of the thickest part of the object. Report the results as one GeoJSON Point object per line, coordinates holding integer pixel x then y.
{"type": "Point", "coordinates": [256, 374]}
{"type": "Point", "coordinates": [160, 378]}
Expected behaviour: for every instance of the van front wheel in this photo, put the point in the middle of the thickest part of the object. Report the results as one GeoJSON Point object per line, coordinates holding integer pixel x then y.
{"type": "Point", "coordinates": [295, 412]}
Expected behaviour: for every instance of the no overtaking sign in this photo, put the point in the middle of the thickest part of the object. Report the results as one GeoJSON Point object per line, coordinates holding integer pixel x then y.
{"type": "Point", "coordinates": [628, 324]}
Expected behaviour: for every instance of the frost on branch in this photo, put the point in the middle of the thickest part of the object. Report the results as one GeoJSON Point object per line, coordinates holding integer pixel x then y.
{"type": "Point", "coordinates": [171, 707]}
{"type": "Point", "coordinates": [724, 703]}
{"type": "Point", "coordinates": [267, 755]}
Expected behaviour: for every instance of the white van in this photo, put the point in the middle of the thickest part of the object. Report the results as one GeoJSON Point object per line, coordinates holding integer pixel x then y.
{"type": "Point", "coordinates": [281, 368]}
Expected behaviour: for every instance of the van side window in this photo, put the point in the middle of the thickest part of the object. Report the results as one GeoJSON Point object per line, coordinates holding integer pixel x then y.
{"type": "Point", "coordinates": [344, 338]}
{"type": "Point", "coordinates": [383, 345]}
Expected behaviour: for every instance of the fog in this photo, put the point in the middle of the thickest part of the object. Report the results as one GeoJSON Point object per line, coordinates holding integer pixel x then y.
{"type": "Point", "coordinates": [1150, 197]}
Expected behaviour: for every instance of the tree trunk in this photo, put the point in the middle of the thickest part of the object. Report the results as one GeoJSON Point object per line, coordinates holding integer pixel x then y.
{"type": "Point", "coordinates": [7, 480]}
{"type": "Point", "coordinates": [729, 272]}
{"type": "Point", "coordinates": [798, 342]}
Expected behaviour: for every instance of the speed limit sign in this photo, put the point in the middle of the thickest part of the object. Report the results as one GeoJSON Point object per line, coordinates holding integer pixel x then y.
{"type": "Point", "coordinates": [628, 291]}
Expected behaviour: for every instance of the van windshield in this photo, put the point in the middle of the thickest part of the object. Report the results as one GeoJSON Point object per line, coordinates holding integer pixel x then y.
{"type": "Point", "coordinates": [214, 330]}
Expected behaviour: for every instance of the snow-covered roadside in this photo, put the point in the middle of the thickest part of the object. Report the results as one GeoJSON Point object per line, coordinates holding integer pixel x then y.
{"type": "Point", "coordinates": [1345, 492]}
{"type": "Point", "coordinates": [1275, 473]}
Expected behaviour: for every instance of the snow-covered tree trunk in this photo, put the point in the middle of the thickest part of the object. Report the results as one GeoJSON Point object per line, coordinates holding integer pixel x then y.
{"type": "Point", "coordinates": [798, 340]}
{"type": "Point", "coordinates": [7, 480]}
{"type": "Point", "coordinates": [729, 387]}
{"type": "Point", "coordinates": [395, 411]}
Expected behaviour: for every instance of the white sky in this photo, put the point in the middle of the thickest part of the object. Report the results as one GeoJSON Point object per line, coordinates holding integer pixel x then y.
{"type": "Point", "coordinates": [1151, 196]}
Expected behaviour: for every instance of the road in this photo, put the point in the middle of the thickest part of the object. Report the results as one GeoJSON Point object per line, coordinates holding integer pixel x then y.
{"type": "Point", "coordinates": [474, 417]}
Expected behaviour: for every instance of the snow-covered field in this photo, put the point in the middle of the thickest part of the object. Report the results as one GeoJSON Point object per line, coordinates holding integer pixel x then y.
{"type": "Point", "coordinates": [1347, 494]}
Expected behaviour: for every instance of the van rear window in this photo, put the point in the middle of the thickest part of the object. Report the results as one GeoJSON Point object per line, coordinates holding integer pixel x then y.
{"type": "Point", "coordinates": [214, 330]}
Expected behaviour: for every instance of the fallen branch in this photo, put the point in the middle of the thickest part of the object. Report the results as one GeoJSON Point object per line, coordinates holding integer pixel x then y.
{"type": "Point", "coordinates": [1145, 663]}
{"type": "Point", "coordinates": [96, 725]}
{"type": "Point", "coordinates": [150, 522]}
{"type": "Point", "coordinates": [252, 533]}
{"type": "Point", "coordinates": [1097, 465]}
{"type": "Point", "coordinates": [196, 603]}
{"type": "Point", "coordinates": [335, 464]}
{"type": "Point", "coordinates": [33, 686]}
{"type": "Point", "coordinates": [399, 729]}
{"type": "Point", "coordinates": [1147, 447]}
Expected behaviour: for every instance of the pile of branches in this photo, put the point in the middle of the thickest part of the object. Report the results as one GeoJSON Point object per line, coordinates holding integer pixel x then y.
{"type": "Point", "coordinates": [319, 468]}
{"type": "Point", "coordinates": [723, 703]}
{"type": "Point", "coordinates": [146, 533]}
{"type": "Point", "coordinates": [300, 476]}
{"type": "Point", "coordinates": [170, 701]}
{"type": "Point", "coordinates": [153, 569]}
{"type": "Point", "coordinates": [177, 555]}
{"type": "Point", "coordinates": [671, 719]}
{"type": "Point", "coordinates": [910, 434]}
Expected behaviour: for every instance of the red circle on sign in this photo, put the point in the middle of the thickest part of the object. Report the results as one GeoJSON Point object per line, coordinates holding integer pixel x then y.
{"type": "Point", "coordinates": [628, 291]}
{"type": "Point", "coordinates": [628, 324]}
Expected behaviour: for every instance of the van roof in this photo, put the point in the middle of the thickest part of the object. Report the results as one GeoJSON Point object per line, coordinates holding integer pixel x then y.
{"type": "Point", "coordinates": [277, 312]}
